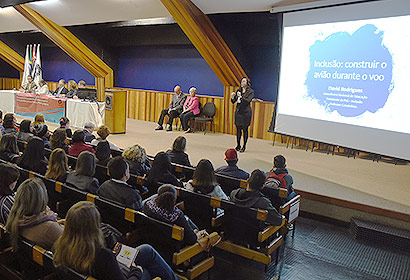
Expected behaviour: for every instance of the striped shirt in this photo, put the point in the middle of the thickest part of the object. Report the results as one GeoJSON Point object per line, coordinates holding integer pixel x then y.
{"type": "Point", "coordinates": [6, 202]}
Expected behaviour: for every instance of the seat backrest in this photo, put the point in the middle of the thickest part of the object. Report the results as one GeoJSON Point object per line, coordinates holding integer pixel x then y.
{"type": "Point", "coordinates": [209, 109]}
{"type": "Point", "coordinates": [228, 184]}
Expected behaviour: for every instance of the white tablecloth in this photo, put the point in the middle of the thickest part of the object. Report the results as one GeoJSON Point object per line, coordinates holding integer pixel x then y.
{"type": "Point", "coordinates": [79, 112]}
{"type": "Point", "coordinates": [7, 101]}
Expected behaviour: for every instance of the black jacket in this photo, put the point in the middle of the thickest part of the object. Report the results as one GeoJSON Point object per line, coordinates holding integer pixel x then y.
{"type": "Point", "coordinates": [179, 157]}
{"type": "Point", "coordinates": [122, 193]}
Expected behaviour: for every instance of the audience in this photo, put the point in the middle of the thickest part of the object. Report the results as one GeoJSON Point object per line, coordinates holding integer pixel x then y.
{"type": "Point", "coordinates": [79, 145]}
{"type": "Point", "coordinates": [81, 247]}
{"type": "Point", "coordinates": [8, 180]}
{"type": "Point", "coordinates": [117, 189]}
{"type": "Point", "coordinates": [72, 89]}
{"type": "Point", "coordinates": [279, 177]}
{"type": "Point", "coordinates": [103, 153]}
{"type": "Point", "coordinates": [232, 169]}
{"type": "Point", "coordinates": [103, 132]}
{"type": "Point", "coordinates": [40, 129]}
{"type": "Point", "coordinates": [58, 166]}
{"type": "Point", "coordinates": [24, 133]}
{"type": "Point", "coordinates": [190, 110]}
{"type": "Point", "coordinates": [61, 89]}
{"type": "Point", "coordinates": [33, 156]}
{"type": "Point", "coordinates": [1, 122]}
{"type": "Point", "coordinates": [160, 173]}
{"type": "Point", "coordinates": [9, 124]}
{"type": "Point", "coordinates": [89, 127]}
{"type": "Point", "coordinates": [31, 218]}
{"type": "Point", "coordinates": [82, 178]}
{"type": "Point", "coordinates": [59, 140]}
{"type": "Point", "coordinates": [42, 88]}
{"type": "Point", "coordinates": [137, 160]}
{"type": "Point", "coordinates": [8, 148]}
{"type": "Point", "coordinates": [177, 154]}
{"type": "Point", "coordinates": [253, 198]}
{"type": "Point", "coordinates": [65, 124]}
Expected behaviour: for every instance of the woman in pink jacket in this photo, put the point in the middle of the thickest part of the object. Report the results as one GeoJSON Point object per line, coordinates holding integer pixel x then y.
{"type": "Point", "coordinates": [191, 109]}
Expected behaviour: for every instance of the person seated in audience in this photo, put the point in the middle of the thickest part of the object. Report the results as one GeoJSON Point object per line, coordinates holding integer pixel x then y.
{"type": "Point", "coordinates": [160, 173]}
{"type": "Point", "coordinates": [232, 169]}
{"type": "Point", "coordinates": [89, 127]}
{"type": "Point", "coordinates": [9, 124]}
{"type": "Point", "coordinates": [162, 207]}
{"type": "Point", "coordinates": [174, 109]}
{"type": "Point", "coordinates": [82, 178]}
{"type": "Point", "coordinates": [177, 154]}
{"type": "Point", "coordinates": [40, 129]}
{"type": "Point", "coordinates": [33, 156]}
{"type": "Point", "coordinates": [31, 218]}
{"type": "Point", "coordinates": [8, 180]}
{"type": "Point", "coordinates": [24, 133]}
{"type": "Point", "coordinates": [65, 124]}
{"type": "Point", "coordinates": [61, 90]}
{"type": "Point", "coordinates": [82, 84]}
{"type": "Point", "coordinates": [103, 132]}
{"type": "Point", "coordinates": [117, 189]}
{"type": "Point", "coordinates": [30, 86]}
{"type": "Point", "coordinates": [79, 144]}
{"type": "Point", "coordinates": [72, 90]}
{"type": "Point", "coordinates": [42, 89]}
{"type": "Point", "coordinates": [190, 110]}
{"type": "Point", "coordinates": [1, 122]}
{"type": "Point", "coordinates": [103, 153]}
{"type": "Point", "coordinates": [9, 150]}
{"type": "Point", "coordinates": [279, 177]}
{"type": "Point", "coordinates": [81, 247]}
{"type": "Point", "coordinates": [253, 198]}
{"type": "Point", "coordinates": [137, 159]}
{"type": "Point", "coordinates": [59, 140]}
{"type": "Point", "coordinates": [58, 166]}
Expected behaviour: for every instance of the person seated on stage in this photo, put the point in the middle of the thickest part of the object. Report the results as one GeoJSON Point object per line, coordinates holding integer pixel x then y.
{"type": "Point", "coordinates": [33, 156]}
{"type": "Point", "coordinates": [278, 177]}
{"type": "Point", "coordinates": [103, 153]}
{"type": "Point", "coordinates": [59, 140]}
{"type": "Point", "coordinates": [72, 89]}
{"type": "Point", "coordinates": [30, 86]}
{"type": "Point", "coordinates": [78, 144]}
{"type": "Point", "coordinates": [42, 88]}
{"type": "Point", "coordinates": [9, 150]}
{"type": "Point", "coordinates": [177, 153]}
{"type": "Point", "coordinates": [163, 208]}
{"type": "Point", "coordinates": [24, 133]}
{"type": "Point", "coordinates": [137, 159]}
{"type": "Point", "coordinates": [65, 124]}
{"type": "Point", "coordinates": [190, 110]}
{"type": "Point", "coordinates": [61, 90]}
{"type": "Point", "coordinates": [82, 178]}
{"type": "Point", "coordinates": [31, 218]}
{"type": "Point", "coordinates": [232, 169]}
{"type": "Point", "coordinates": [174, 109]}
{"type": "Point", "coordinates": [40, 129]}
{"type": "Point", "coordinates": [160, 173]}
{"type": "Point", "coordinates": [58, 166]}
{"type": "Point", "coordinates": [81, 84]}
{"type": "Point", "coordinates": [9, 124]}
{"type": "Point", "coordinates": [81, 247]}
{"type": "Point", "coordinates": [253, 198]}
{"type": "Point", "coordinates": [8, 180]}
{"type": "Point", "coordinates": [117, 189]}
{"type": "Point", "coordinates": [103, 132]}
{"type": "Point", "coordinates": [89, 128]}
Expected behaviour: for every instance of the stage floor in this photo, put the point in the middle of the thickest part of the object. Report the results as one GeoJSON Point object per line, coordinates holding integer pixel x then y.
{"type": "Point", "coordinates": [377, 184]}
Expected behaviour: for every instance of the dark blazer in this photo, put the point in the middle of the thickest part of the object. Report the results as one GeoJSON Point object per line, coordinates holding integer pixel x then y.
{"type": "Point", "coordinates": [243, 112]}
{"type": "Point", "coordinates": [179, 157]}
{"type": "Point", "coordinates": [122, 193]}
{"type": "Point", "coordinates": [177, 102]}
{"type": "Point", "coordinates": [63, 91]}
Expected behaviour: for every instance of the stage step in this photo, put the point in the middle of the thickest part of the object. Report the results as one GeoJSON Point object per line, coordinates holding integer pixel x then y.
{"type": "Point", "coordinates": [380, 234]}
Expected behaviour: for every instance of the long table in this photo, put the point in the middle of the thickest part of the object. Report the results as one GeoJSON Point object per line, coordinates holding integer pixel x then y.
{"type": "Point", "coordinates": [77, 111]}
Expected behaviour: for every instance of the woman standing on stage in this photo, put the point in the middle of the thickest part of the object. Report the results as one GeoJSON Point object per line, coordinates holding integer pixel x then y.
{"type": "Point", "coordinates": [243, 112]}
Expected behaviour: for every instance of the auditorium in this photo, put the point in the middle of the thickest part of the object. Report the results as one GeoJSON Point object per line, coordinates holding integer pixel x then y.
{"type": "Point", "coordinates": [203, 139]}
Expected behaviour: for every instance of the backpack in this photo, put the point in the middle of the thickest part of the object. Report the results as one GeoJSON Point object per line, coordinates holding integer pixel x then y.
{"type": "Point", "coordinates": [279, 177]}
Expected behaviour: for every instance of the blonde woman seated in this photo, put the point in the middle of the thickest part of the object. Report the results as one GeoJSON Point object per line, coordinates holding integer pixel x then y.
{"type": "Point", "coordinates": [137, 160]}
{"type": "Point", "coordinates": [31, 218]}
{"type": "Point", "coordinates": [103, 132]}
{"type": "Point", "coordinates": [58, 166]}
{"type": "Point", "coordinates": [81, 247]}
{"type": "Point", "coordinates": [82, 178]}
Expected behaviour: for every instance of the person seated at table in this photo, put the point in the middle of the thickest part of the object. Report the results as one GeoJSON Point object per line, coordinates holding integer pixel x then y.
{"type": "Point", "coordinates": [190, 110]}
{"type": "Point", "coordinates": [42, 89]}
{"type": "Point", "coordinates": [33, 156]}
{"type": "Point", "coordinates": [160, 173]}
{"type": "Point", "coordinates": [25, 133]}
{"type": "Point", "coordinates": [89, 128]}
{"type": "Point", "coordinates": [137, 159]}
{"type": "Point", "coordinates": [177, 153]}
{"type": "Point", "coordinates": [103, 153]}
{"type": "Point", "coordinates": [29, 86]}
{"type": "Point", "coordinates": [8, 180]}
{"type": "Point", "coordinates": [72, 89]}
{"type": "Point", "coordinates": [8, 148]}
{"type": "Point", "coordinates": [79, 144]}
{"type": "Point", "coordinates": [40, 129]}
{"type": "Point", "coordinates": [58, 166]}
{"type": "Point", "coordinates": [103, 132]}
{"type": "Point", "coordinates": [174, 109]}
{"type": "Point", "coordinates": [117, 189]}
{"type": "Point", "coordinates": [65, 124]}
{"type": "Point", "coordinates": [31, 218]}
{"type": "Point", "coordinates": [82, 84]}
{"type": "Point", "coordinates": [59, 140]}
{"type": "Point", "coordinates": [232, 169]}
{"type": "Point", "coordinates": [61, 89]}
{"type": "Point", "coordinates": [9, 124]}
{"type": "Point", "coordinates": [82, 178]}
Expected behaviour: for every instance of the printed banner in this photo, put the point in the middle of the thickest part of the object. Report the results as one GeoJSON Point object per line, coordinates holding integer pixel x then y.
{"type": "Point", "coordinates": [27, 104]}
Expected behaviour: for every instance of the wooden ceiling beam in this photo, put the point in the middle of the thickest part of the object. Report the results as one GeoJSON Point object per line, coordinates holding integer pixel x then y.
{"type": "Point", "coordinates": [11, 57]}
